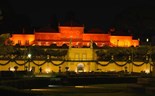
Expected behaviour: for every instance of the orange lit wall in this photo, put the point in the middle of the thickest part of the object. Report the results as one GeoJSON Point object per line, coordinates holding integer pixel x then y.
{"type": "Point", "coordinates": [96, 37]}
{"type": "Point", "coordinates": [47, 36]}
{"type": "Point", "coordinates": [23, 38]}
{"type": "Point", "coordinates": [135, 43]}
{"type": "Point", "coordinates": [71, 32]}
{"type": "Point", "coordinates": [99, 39]}
{"type": "Point", "coordinates": [121, 41]}
{"type": "Point", "coordinates": [76, 35]}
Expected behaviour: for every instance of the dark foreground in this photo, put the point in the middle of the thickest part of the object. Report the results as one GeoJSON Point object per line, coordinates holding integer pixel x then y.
{"type": "Point", "coordinates": [91, 90]}
{"type": "Point", "coordinates": [64, 85]}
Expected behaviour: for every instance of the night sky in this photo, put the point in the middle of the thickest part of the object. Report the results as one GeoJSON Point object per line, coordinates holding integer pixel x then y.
{"type": "Point", "coordinates": [129, 16]}
{"type": "Point", "coordinates": [95, 13]}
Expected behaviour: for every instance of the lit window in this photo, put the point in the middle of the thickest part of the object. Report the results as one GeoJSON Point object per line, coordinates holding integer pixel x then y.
{"type": "Point", "coordinates": [46, 43]}
{"type": "Point", "coordinates": [77, 57]}
{"type": "Point", "coordinates": [39, 43]}
{"type": "Point", "coordinates": [84, 56]}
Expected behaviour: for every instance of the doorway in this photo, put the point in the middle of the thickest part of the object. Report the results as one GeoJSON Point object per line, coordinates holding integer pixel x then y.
{"type": "Point", "coordinates": [80, 67]}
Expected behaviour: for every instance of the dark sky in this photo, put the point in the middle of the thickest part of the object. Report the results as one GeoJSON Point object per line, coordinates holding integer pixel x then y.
{"type": "Point", "coordinates": [92, 13]}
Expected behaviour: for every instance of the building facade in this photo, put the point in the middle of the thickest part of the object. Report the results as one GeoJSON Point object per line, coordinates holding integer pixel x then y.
{"type": "Point", "coordinates": [77, 59]}
{"type": "Point", "coordinates": [74, 34]}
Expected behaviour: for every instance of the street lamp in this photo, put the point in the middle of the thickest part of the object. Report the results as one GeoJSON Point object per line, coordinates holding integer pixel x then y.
{"type": "Point", "coordinates": [29, 57]}
{"type": "Point", "coordinates": [150, 59]}
{"type": "Point", "coordinates": [132, 57]}
{"type": "Point", "coordinates": [150, 51]}
{"type": "Point", "coordinates": [147, 39]}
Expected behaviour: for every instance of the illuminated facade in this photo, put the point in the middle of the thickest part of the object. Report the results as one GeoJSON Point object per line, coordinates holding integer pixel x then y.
{"type": "Point", "coordinates": [74, 34]}
{"type": "Point", "coordinates": [77, 58]}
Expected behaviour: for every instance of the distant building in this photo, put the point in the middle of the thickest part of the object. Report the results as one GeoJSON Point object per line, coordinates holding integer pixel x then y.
{"type": "Point", "coordinates": [77, 58]}
{"type": "Point", "coordinates": [75, 35]}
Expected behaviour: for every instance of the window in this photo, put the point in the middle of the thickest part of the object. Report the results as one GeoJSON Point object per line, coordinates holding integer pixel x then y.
{"type": "Point", "coordinates": [84, 56]}
{"type": "Point", "coordinates": [77, 57]}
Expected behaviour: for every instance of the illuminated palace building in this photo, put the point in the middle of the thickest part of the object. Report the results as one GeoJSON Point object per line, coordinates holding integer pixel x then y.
{"type": "Point", "coordinates": [81, 55]}
{"type": "Point", "coordinates": [76, 35]}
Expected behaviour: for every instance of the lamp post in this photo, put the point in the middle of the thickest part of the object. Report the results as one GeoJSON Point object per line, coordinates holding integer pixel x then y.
{"type": "Point", "coordinates": [29, 57]}
{"type": "Point", "coordinates": [149, 45]}
{"type": "Point", "coordinates": [150, 53]}
{"type": "Point", "coordinates": [132, 59]}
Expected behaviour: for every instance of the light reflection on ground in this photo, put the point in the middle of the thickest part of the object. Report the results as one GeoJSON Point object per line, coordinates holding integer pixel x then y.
{"type": "Point", "coordinates": [92, 90]}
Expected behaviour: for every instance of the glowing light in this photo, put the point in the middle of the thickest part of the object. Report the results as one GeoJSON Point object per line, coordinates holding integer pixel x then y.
{"type": "Point", "coordinates": [147, 40]}
{"type": "Point", "coordinates": [79, 86]}
{"type": "Point", "coordinates": [47, 44]}
{"type": "Point", "coordinates": [47, 70]}
{"type": "Point", "coordinates": [29, 55]}
{"type": "Point", "coordinates": [63, 42]}
{"type": "Point", "coordinates": [88, 44]}
{"type": "Point", "coordinates": [12, 69]}
{"type": "Point", "coordinates": [76, 70]}
{"type": "Point", "coordinates": [147, 71]}
{"type": "Point", "coordinates": [84, 70]}
{"type": "Point", "coordinates": [112, 70]}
